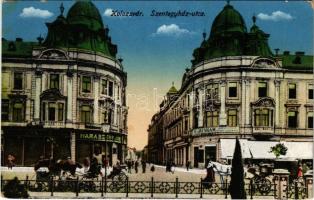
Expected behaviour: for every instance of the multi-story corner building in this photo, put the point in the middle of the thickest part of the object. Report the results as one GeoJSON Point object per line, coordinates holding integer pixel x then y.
{"type": "Point", "coordinates": [236, 87]}
{"type": "Point", "coordinates": [64, 96]}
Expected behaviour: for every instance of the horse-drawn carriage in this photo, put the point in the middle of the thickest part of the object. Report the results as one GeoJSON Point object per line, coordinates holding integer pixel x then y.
{"type": "Point", "coordinates": [65, 173]}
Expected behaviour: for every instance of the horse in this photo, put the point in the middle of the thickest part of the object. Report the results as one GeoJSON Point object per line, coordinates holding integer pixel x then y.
{"type": "Point", "coordinates": [56, 167]}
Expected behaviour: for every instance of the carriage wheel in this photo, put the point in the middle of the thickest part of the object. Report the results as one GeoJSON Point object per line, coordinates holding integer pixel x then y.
{"type": "Point", "coordinates": [264, 186]}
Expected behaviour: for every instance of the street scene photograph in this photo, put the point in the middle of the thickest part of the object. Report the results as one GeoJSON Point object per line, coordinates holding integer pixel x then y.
{"type": "Point", "coordinates": [165, 99]}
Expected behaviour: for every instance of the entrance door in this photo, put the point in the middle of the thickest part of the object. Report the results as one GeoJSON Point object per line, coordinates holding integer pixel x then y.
{"type": "Point", "coordinates": [210, 154]}
{"type": "Point", "coordinates": [196, 157]}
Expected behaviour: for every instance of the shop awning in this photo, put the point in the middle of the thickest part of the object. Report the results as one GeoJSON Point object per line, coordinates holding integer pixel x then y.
{"type": "Point", "coordinates": [261, 149]}
{"type": "Point", "coordinates": [227, 148]}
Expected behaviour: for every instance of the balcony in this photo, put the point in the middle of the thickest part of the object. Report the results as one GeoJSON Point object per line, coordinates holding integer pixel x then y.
{"type": "Point", "coordinates": [263, 130]}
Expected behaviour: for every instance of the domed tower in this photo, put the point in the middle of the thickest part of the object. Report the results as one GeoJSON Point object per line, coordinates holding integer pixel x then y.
{"type": "Point", "coordinates": [257, 42]}
{"type": "Point", "coordinates": [83, 28]}
{"type": "Point", "coordinates": [227, 34]}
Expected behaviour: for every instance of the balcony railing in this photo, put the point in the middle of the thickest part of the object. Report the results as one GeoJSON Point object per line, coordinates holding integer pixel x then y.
{"type": "Point", "coordinates": [263, 130]}
{"type": "Point", "coordinates": [214, 130]}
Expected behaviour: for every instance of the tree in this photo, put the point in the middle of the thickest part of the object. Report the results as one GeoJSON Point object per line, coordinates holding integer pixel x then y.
{"type": "Point", "coordinates": [14, 189]}
{"type": "Point", "coordinates": [236, 188]}
{"type": "Point", "coordinates": [279, 149]}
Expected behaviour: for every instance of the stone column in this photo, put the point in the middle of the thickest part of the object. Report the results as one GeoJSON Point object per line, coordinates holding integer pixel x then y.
{"type": "Point", "coordinates": [222, 113]}
{"type": "Point", "coordinates": [38, 74]}
{"type": "Point", "coordinates": [200, 107]}
{"type": "Point", "coordinates": [247, 102]}
{"type": "Point", "coordinates": [191, 121]}
{"type": "Point", "coordinates": [96, 102]}
{"type": "Point", "coordinates": [277, 102]}
{"type": "Point", "coordinates": [309, 185]}
{"type": "Point", "coordinates": [73, 146]}
{"type": "Point", "coordinates": [281, 181]}
{"type": "Point", "coordinates": [70, 97]}
{"type": "Point", "coordinates": [243, 102]}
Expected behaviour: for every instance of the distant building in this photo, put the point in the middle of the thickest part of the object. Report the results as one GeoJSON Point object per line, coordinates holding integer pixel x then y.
{"type": "Point", "coordinates": [236, 87]}
{"type": "Point", "coordinates": [131, 154]}
{"type": "Point", "coordinates": [64, 96]}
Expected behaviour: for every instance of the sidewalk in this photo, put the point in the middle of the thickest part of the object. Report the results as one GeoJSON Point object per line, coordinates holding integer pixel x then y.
{"type": "Point", "coordinates": [183, 169]}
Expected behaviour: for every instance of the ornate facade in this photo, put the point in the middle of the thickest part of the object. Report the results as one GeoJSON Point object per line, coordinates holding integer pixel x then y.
{"type": "Point", "coordinates": [236, 87]}
{"type": "Point", "coordinates": [64, 96]}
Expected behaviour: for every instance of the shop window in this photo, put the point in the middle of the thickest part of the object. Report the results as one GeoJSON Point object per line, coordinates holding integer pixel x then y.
{"type": "Point", "coordinates": [5, 110]}
{"type": "Point", "coordinates": [18, 80]}
{"type": "Point", "coordinates": [110, 89]}
{"type": "Point", "coordinates": [292, 91]}
{"type": "Point", "coordinates": [51, 112]}
{"type": "Point", "coordinates": [232, 89]}
{"type": "Point", "coordinates": [310, 92]}
{"type": "Point", "coordinates": [292, 119]}
{"type": "Point", "coordinates": [86, 84]}
{"type": "Point", "coordinates": [262, 89]}
{"type": "Point", "coordinates": [263, 117]}
{"type": "Point", "coordinates": [60, 111]}
{"type": "Point", "coordinates": [54, 81]}
{"type": "Point", "coordinates": [232, 118]}
{"type": "Point", "coordinates": [18, 112]}
{"type": "Point", "coordinates": [104, 87]}
{"type": "Point", "coordinates": [310, 120]}
{"type": "Point", "coordinates": [86, 114]}
{"type": "Point", "coordinates": [212, 119]}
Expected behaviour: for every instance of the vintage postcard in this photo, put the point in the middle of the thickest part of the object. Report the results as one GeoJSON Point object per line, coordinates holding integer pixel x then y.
{"type": "Point", "coordinates": [157, 99]}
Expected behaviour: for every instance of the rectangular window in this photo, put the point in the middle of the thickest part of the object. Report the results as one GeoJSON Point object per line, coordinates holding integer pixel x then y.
{"type": "Point", "coordinates": [110, 90]}
{"type": "Point", "coordinates": [212, 91]}
{"type": "Point", "coordinates": [292, 119]}
{"type": "Point", "coordinates": [292, 91]}
{"type": "Point", "coordinates": [262, 89]}
{"type": "Point", "coordinates": [263, 117]}
{"type": "Point", "coordinates": [105, 117]}
{"type": "Point", "coordinates": [85, 114]}
{"type": "Point", "coordinates": [232, 118]}
{"type": "Point", "coordinates": [118, 93]}
{"type": "Point", "coordinates": [104, 87]}
{"type": "Point", "coordinates": [60, 111]}
{"type": "Point", "coordinates": [18, 112]}
{"type": "Point", "coordinates": [232, 89]}
{"type": "Point", "coordinates": [310, 120]}
{"type": "Point", "coordinates": [86, 84]}
{"type": "Point", "coordinates": [212, 119]}
{"type": "Point", "coordinates": [310, 92]}
{"type": "Point", "coordinates": [5, 110]}
{"type": "Point", "coordinates": [18, 80]}
{"type": "Point", "coordinates": [54, 81]}
{"type": "Point", "coordinates": [44, 111]}
{"type": "Point", "coordinates": [51, 112]}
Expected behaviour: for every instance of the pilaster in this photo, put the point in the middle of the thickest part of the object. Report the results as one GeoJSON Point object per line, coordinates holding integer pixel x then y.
{"type": "Point", "coordinates": [222, 113]}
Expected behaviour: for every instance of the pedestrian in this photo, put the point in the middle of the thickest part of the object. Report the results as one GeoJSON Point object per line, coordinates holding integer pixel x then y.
{"type": "Point", "coordinates": [143, 166]}
{"type": "Point", "coordinates": [136, 166]}
{"type": "Point", "coordinates": [300, 174]}
{"type": "Point", "coordinates": [168, 166]}
{"type": "Point", "coordinates": [11, 160]}
{"type": "Point", "coordinates": [172, 167]}
{"type": "Point", "coordinates": [210, 175]}
{"type": "Point", "coordinates": [152, 169]}
{"type": "Point", "coordinates": [188, 165]}
{"type": "Point", "coordinates": [129, 164]}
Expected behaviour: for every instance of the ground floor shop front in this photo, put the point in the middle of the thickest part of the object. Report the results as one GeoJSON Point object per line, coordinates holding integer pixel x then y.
{"type": "Point", "coordinates": [199, 151]}
{"type": "Point", "coordinates": [27, 145]}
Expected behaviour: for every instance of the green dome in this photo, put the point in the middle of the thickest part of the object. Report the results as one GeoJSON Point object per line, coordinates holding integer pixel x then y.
{"type": "Point", "coordinates": [85, 13]}
{"type": "Point", "coordinates": [228, 20]}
